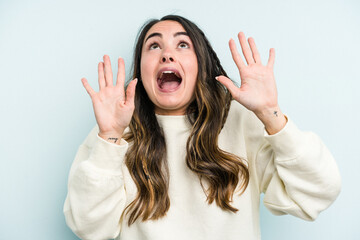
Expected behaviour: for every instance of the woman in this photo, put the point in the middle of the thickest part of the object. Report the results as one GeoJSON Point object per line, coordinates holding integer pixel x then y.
{"type": "Point", "coordinates": [176, 158]}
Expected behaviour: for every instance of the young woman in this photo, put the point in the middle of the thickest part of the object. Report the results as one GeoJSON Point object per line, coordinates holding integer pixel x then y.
{"type": "Point", "coordinates": [185, 154]}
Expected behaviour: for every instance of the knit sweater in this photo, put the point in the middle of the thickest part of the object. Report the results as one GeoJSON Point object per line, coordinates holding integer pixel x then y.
{"type": "Point", "coordinates": [294, 170]}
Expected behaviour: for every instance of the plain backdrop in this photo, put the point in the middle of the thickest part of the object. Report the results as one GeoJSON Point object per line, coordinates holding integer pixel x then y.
{"type": "Point", "coordinates": [46, 47]}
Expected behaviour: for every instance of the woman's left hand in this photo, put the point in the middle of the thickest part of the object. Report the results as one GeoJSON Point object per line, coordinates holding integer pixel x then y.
{"type": "Point", "coordinates": [258, 88]}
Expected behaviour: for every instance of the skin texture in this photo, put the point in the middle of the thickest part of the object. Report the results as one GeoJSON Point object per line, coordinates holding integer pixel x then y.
{"type": "Point", "coordinates": [113, 107]}
{"type": "Point", "coordinates": [258, 91]}
{"type": "Point", "coordinates": [173, 51]}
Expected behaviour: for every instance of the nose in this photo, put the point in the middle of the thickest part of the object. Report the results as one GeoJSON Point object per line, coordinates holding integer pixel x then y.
{"type": "Point", "coordinates": [167, 59]}
{"type": "Point", "coordinates": [167, 56]}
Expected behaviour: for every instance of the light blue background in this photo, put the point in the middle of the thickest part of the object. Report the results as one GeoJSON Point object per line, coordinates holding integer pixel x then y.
{"type": "Point", "coordinates": [46, 47]}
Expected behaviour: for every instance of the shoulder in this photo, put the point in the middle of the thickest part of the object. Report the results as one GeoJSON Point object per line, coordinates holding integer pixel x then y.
{"type": "Point", "coordinates": [243, 132]}
{"type": "Point", "coordinates": [241, 117]}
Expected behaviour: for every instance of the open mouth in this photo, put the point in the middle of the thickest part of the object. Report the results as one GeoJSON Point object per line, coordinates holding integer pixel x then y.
{"type": "Point", "coordinates": [169, 81]}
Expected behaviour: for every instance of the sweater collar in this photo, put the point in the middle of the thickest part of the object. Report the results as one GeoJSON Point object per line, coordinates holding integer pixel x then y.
{"type": "Point", "coordinates": [179, 122]}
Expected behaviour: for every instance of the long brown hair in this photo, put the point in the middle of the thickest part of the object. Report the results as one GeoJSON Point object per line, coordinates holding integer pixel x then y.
{"type": "Point", "coordinates": [146, 158]}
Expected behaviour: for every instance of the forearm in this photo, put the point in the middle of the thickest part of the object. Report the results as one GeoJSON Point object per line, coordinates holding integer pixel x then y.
{"type": "Point", "coordinates": [96, 193]}
{"type": "Point", "coordinates": [303, 178]}
{"type": "Point", "coordinates": [94, 203]}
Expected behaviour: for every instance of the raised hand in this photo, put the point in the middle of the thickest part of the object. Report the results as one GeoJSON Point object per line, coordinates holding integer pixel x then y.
{"type": "Point", "coordinates": [112, 107]}
{"type": "Point", "coordinates": [258, 88]}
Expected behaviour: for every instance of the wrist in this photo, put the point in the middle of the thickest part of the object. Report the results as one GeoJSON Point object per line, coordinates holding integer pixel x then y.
{"type": "Point", "coordinates": [273, 119]}
{"type": "Point", "coordinates": [113, 137]}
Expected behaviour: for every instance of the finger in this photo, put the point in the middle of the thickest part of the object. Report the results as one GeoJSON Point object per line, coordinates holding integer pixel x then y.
{"type": "Point", "coordinates": [108, 71]}
{"type": "Point", "coordinates": [255, 52]}
{"type": "Point", "coordinates": [271, 60]}
{"type": "Point", "coordinates": [120, 79]}
{"type": "Point", "coordinates": [101, 76]}
{"type": "Point", "coordinates": [245, 48]}
{"type": "Point", "coordinates": [233, 89]}
{"type": "Point", "coordinates": [88, 88]}
{"type": "Point", "coordinates": [130, 92]}
{"type": "Point", "coordinates": [235, 54]}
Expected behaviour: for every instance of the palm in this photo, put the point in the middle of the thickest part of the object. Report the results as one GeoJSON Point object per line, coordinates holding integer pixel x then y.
{"type": "Point", "coordinates": [113, 109]}
{"type": "Point", "coordinates": [110, 110]}
{"type": "Point", "coordinates": [258, 88]}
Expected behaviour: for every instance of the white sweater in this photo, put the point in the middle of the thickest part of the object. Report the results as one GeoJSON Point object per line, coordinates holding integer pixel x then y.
{"type": "Point", "coordinates": [294, 169]}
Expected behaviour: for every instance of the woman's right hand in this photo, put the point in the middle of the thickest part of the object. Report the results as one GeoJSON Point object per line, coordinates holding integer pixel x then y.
{"type": "Point", "coordinates": [112, 107]}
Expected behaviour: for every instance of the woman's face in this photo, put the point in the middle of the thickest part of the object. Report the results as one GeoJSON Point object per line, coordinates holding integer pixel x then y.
{"type": "Point", "coordinates": [169, 68]}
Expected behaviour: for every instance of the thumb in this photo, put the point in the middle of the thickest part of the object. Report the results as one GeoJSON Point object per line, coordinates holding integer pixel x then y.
{"type": "Point", "coordinates": [130, 92]}
{"type": "Point", "coordinates": [233, 89]}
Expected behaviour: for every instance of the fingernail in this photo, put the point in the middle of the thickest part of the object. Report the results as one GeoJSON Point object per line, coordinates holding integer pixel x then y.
{"type": "Point", "coordinates": [217, 78]}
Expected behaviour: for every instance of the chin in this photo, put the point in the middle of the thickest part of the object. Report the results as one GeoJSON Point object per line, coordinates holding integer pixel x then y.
{"type": "Point", "coordinates": [170, 106]}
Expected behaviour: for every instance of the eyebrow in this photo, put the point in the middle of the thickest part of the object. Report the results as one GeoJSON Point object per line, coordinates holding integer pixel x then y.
{"type": "Point", "coordinates": [156, 34]}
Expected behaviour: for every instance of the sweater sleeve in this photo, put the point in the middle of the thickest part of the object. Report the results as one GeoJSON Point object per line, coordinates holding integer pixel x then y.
{"type": "Point", "coordinates": [96, 194]}
{"type": "Point", "coordinates": [297, 173]}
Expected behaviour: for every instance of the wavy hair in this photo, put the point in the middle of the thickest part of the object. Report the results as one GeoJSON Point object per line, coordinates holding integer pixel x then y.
{"type": "Point", "coordinates": [146, 157]}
